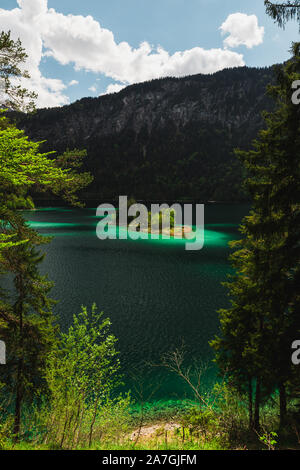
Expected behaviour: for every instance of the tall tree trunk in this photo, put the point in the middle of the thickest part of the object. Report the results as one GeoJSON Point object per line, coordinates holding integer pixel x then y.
{"type": "Point", "coordinates": [283, 404]}
{"type": "Point", "coordinates": [250, 403]}
{"type": "Point", "coordinates": [64, 429]}
{"type": "Point", "coordinates": [257, 405]}
{"type": "Point", "coordinates": [19, 380]}
{"type": "Point", "coordinates": [93, 420]}
{"type": "Point", "coordinates": [18, 405]}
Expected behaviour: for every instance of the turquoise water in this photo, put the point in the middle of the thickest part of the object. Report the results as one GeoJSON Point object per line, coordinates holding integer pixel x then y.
{"type": "Point", "coordinates": [156, 294]}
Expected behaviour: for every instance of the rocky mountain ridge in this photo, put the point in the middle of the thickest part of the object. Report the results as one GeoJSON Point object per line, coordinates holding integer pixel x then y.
{"type": "Point", "coordinates": [167, 138]}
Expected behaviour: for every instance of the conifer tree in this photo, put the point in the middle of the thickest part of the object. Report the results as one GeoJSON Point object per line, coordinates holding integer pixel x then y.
{"type": "Point", "coordinates": [12, 58]}
{"type": "Point", "coordinates": [283, 11]}
{"type": "Point", "coordinates": [259, 328]}
{"type": "Point", "coordinates": [26, 322]}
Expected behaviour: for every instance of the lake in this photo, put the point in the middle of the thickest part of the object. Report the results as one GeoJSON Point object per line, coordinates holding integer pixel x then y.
{"type": "Point", "coordinates": [156, 294]}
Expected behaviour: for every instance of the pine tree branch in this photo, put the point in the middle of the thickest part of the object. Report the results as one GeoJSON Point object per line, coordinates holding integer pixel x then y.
{"type": "Point", "coordinates": [283, 12]}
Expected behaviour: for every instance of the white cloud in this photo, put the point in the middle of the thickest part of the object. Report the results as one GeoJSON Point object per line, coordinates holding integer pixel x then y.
{"type": "Point", "coordinates": [33, 7]}
{"type": "Point", "coordinates": [73, 82]}
{"type": "Point", "coordinates": [114, 88]}
{"type": "Point", "coordinates": [243, 30]}
{"type": "Point", "coordinates": [93, 88]}
{"type": "Point", "coordinates": [24, 23]}
{"type": "Point", "coordinates": [82, 42]}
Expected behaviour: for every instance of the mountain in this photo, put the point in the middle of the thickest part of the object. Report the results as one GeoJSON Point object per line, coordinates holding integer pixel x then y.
{"type": "Point", "coordinates": [166, 139]}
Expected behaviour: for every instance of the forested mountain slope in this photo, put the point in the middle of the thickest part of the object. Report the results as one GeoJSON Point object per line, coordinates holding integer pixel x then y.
{"type": "Point", "coordinates": [164, 139]}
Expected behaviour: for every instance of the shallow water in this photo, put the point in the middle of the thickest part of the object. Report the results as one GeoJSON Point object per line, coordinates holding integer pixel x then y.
{"type": "Point", "coordinates": [156, 294]}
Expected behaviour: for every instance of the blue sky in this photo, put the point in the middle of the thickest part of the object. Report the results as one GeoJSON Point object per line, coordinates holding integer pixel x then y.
{"type": "Point", "coordinates": [103, 53]}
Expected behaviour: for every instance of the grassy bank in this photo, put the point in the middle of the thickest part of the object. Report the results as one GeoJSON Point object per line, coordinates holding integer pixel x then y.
{"type": "Point", "coordinates": [177, 426]}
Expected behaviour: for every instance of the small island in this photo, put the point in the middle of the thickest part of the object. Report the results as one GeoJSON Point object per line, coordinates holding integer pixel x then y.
{"type": "Point", "coordinates": [155, 223]}
{"type": "Point", "coordinates": [172, 230]}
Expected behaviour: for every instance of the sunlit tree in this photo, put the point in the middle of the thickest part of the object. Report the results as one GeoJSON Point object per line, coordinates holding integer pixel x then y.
{"type": "Point", "coordinates": [12, 60]}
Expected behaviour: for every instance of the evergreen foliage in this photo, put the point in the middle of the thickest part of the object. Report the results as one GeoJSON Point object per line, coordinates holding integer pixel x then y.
{"type": "Point", "coordinates": [12, 58]}
{"type": "Point", "coordinates": [258, 330]}
{"type": "Point", "coordinates": [284, 11]}
{"type": "Point", "coordinates": [26, 320]}
{"type": "Point", "coordinates": [156, 154]}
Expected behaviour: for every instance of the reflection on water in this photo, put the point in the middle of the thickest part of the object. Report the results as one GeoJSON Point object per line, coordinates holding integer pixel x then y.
{"type": "Point", "coordinates": [156, 293]}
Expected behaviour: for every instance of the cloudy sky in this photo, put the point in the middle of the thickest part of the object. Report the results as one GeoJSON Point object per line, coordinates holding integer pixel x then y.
{"type": "Point", "coordinates": [88, 48]}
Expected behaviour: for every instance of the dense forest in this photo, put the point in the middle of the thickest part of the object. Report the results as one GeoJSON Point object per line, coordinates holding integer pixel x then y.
{"type": "Point", "coordinates": [164, 139]}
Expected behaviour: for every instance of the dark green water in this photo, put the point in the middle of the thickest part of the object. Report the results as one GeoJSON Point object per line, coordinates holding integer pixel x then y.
{"type": "Point", "coordinates": [155, 293]}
